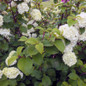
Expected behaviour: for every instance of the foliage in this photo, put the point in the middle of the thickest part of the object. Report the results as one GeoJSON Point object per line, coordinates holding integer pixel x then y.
{"type": "Point", "coordinates": [39, 44]}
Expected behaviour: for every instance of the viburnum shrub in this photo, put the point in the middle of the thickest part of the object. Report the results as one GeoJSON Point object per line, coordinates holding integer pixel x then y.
{"type": "Point", "coordinates": [43, 43]}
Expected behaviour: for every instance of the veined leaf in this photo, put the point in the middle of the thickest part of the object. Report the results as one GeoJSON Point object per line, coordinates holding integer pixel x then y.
{"type": "Point", "coordinates": [40, 48]}
{"type": "Point", "coordinates": [19, 49]}
{"type": "Point", "coordinates": [25, 65]}
{"type": "Point", "coordinates": [60, 45]}
{"type": "Point", "coordinates": [32, 41]}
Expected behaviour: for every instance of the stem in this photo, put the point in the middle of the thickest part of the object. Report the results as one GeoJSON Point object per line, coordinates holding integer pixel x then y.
{"type": "Point", "coordinates": [83, 73]}
{"type": "Point", "coordinates": [13, 13]}
{"type": "Point", "coordinates": [11, 10]}
{"type": "Point", "coordinates": [50, 36]}
{"type": "Point", "coordinates": [43, 35]}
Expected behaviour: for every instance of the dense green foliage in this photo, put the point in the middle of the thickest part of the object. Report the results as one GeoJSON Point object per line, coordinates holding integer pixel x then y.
{"type": "Point", "coordinates": [40, 58]}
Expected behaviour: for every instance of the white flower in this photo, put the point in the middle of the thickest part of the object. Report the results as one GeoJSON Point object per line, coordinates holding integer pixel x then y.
{"type": "Point", "coordinates": [33, 23]}
{"type": "Point", "coordinates": [27, 1]}
{"type": "Point", "coordinates": [32, 4]}
{"type": "Point", "coordinates": [23, 7]}
{"type": "Point", "coordinates": [10, 56]}
{"type": "Point", "coordinates": [73, 8]}
{"type": "Point", "coordinates": [69, 58]}
{"type": "Point", "coordinates": [45, 9]}
{"type": "Point", "coordinates": [4, 12]}
{"type": "Point", "coordinates": [34, 35]}
{"type": "Point", "coordinates": [1, 73]}
{"type": "Point", "coordinates": [25, 25]}
{"type": "Point", "coordinates": [1, 20]}
{"type": "Point", "coordinates": [81, 18]}
{"type": "Point", "coordinates": [30, 33]}
{"type": "Point", "coordinates": [26, 19]}
{"type": "Point", "coordinates": [13, 4]}
{"type": "Point", "coordinates": [56, 35]}
{"type": "Point", "coordinates": [12, 72]}
{"type": "Point", "coordinates": [5, 32]}
{"type": "Point", "coordinates": [31, 30]}
{"type": "Point", "coordinates": [70, 46]}
{"type": "Point", "coordinates": [56, 10]}
{"type": "Point", "coordinates": [36, 14]}
{"type": "Point", "coordinates": [30, 22]}
{"type": "Point", "coordinates": [83, 36]}
{"type": "Point", "coordinates": [70, 33]}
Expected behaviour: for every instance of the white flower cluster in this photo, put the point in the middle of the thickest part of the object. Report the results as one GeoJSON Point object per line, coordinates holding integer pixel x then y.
{"type": "Point", "coordinates": [36, 14]}
{"type": "Point", "coordinates": [34, 35]}
{"type": "Point", "coordinates": [31, 31]}
{"type": "Point", "coordinates": [83, 36]}
{"type": "Point", "coordinates": [32, 22]}
{"type": "Point", "coordinates": [11, 72]}
{"type": "Point", "coordinates": [73, 35]}
{"type": "Point", "coordinates": [10, 56]}
{"type": "Point", "coordinates": [13, 4]}
{"type": "Point", "coordinates": [1, 20]}
{"type": "Point", "coordinates": [22, 7]}
{"type": "Point", "coordinates": [1, 73]}
{"type": "Point", "coordinates": [5, 32]}
{"type": "Point", "coordinates": [81, 18]}
{"type": "Point", "coordinates": [69, 58]}
{"type": "Point", "coordinates": [70, 33]}
{"type": "Point", "coordinates": [70, 47]}
{"type": "Point", "coordinates": [56, 10]}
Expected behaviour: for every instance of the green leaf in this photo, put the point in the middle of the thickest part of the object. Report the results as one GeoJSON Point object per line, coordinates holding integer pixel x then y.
{"type": "Point", "coordinates": [30, 50]}
{"type": "Point", "coordinates": [12, 59]}
{"type": "Point", "coordinates": [73, 76]}
{"type": "Point", "coordinates": [40, 48]}
{"type": "Point", "coordinates": [51, 50]}
{"type": "Point", "coordinates": [23, 29]}
{"type": "Point", "coordinates": [30, 26]}
{"type": "Point", "coordinates": [19, 50]}
{"type": "Point", "coordinates": [4, 83]}
{"type": "Point", "coordinates": [47, 43]}
{"type": "Point", "coordinates": [60, 45]}
{"type": "Point", "coordinates": [4, 46]}
{"type": "Point", "coordinates": [12, 83]}
{"type": "Point", "coordinates": [23, 38]}
{"type": "Point", "coordinates": [48, 3]}
{"type": "Point", "coordinates": [22, 84]}
{"type": "Point", "coordinates": [37, 74]}
{"type": "Point", "coordinates": [32, 41]}
{"type": "Point", "coordinates": [3, 6]}
{"type": "Point", "coordinates": [46, 81]}
{"type": "Point", "coordinates": [82, 30]}
{"type": "Point", "coordinates": [80, 83]}
{"type": "Point", "coordinates": [37, 59]}
{"type": "Point", "coordinates": [71, 22]}
{"type": "Point", "coordinates": [40, 28]}
{"type": "Point", "coordinates": [8, 18]}
{"type": "Point", "coordinates": [25, 65]}
{"type": "Point", "coordinates": [73, 82]}
{"type": "Point", "coordinates": [8, 82]}
{"type": "Point", "coordinates": [80, 63]}
{"type": "Point", "coordinates": [65, 84]}
{"type": "Point", "coordinates": [55, 30]}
